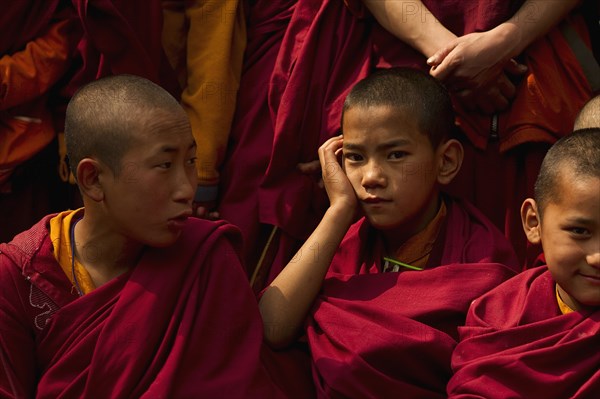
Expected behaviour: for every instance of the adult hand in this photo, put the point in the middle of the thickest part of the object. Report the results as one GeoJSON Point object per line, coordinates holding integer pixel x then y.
{"type": "Point", "coordinates": [204, 204]}
{"type": "Point", "coordinates": [476, 68]}
{"type": "Point", "coordinates": [494, 97]}
{"type": "Point", "coordinates": [313, 170]}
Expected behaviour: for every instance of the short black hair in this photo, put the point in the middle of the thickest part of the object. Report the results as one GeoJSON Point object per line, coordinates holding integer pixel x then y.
{"type": "Point", "coordinates": [411, 89]}
{"type": "Point", "coordinates": [102, 117]}
{"type": "Point", "coordinates": [579, 151]}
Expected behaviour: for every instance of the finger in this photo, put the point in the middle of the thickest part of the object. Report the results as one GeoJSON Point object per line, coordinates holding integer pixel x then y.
{"type": "Point", "coordinates": [440, 55]}
{"type": "Point", "coordinates": [309, 167]}
{"type": "Point", "coordinates": [200, 212]}
{"type": "Point", "coordinates": [328, 150]}
{"type": "Point", "coordinates": [506, 87]}
{"type": "Point", "coordinates": [330, 166]}
{"type": "Point", "coordinates": [514, 68]}
{"type": "Point", "coordinates": [446, 67]}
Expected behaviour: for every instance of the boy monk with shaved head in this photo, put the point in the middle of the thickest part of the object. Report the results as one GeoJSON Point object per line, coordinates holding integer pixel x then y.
{"type": "Point", "coordinates": [128, 297]}
{"type": "Point", "coordinates": [380, 300]}
{"type": "Point", "coordinates": [539, 333]}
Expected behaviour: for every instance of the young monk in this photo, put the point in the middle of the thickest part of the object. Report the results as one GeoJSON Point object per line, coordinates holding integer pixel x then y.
{"type": "Point", "coordinates": [541, 329]}
{"type": "Point", "coordinates": [127, 297]}
{"type": "Point", "coordinates": [381, 299]}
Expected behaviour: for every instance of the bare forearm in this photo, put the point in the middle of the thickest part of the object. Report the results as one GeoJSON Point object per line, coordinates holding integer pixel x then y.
{"type": "Point", "coordinates": [412, 22]}
{"type": "Point", "coordinates": [286, 302]}
{"type": "Point", "coordinates": [533, 20]}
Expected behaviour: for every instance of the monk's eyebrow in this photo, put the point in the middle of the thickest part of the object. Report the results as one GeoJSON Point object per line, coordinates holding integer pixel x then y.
{"type": "Point", "coordinates": [169, 149]}
{"type": "Point", "coordinates": [382, 146]}
{"type": "Point", "coordinates": [578, 220]}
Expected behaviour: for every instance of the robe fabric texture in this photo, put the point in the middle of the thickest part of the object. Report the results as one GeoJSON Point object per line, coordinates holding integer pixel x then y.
{"type": "Point", "coordinates": [205, 41]}
{"type": "Point", "coordinates": [119, 37]}
{"type": "Point", "coordinates": [295, 78]}
{"type": "Point", "coordinates": [122, 37]}
{"type": "Point", "coordinates": [517, 344]}
{"type": "Point", "coordinates": [374, 334]}
{"type": "Point", "coordinates": [183, 323]}
{"type": "Point", "coordinates": [36, 49]}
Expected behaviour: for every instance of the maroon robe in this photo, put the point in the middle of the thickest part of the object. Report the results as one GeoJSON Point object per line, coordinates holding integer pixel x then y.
{"type": "Point", "coordinates": [290, 102]}
{"type": "Point", "coordinates": [516, 343]}
{"type": "Point", "coordinates": [121, 36]}
{"type": "Point", "coordinates": [182, 323]}
{"type": "Point", "coordinates": [37, 43]}
{"type": "Point", "coordinates": [374, 334]}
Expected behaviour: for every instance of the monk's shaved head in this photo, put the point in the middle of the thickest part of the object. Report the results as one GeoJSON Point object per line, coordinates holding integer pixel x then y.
{"type": "Point", "coordinates": [104, 116]}
{"type": "Point", "coordinates": [411, 90]}
{"type": "Point", "coordinates": [589, 116]}
{"type": "Point", "coordinates": [578, 153]}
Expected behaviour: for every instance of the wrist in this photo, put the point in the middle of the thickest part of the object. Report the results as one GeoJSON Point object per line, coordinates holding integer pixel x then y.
{"type": "Point", "coordinates": [341, 214]}
{"type": "Point", "coordinates": [429, 44]}
{"type": "Point", "coordinates": [511, 37]}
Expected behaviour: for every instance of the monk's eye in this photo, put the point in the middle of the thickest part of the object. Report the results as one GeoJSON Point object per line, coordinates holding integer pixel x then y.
{"type": "Point", "coordinates": [579, 232]}
{"type": "Point", "coordinates": [397, 154]}
{"type": "Point", "coordinates": [353, 157]}
{"type": "Point", "coordinates": [164, 165]}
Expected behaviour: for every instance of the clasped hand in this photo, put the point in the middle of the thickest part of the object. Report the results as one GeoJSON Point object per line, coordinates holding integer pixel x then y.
{"type": "Point", "coordinates": [477, 68]}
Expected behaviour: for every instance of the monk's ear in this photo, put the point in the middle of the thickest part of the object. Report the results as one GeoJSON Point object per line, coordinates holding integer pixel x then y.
{"type": "Point", "coordinates": [530, 218]}
{"type": "Point", "coordinates": [88, 178]}
{"type": "Point", "coordinates": [450, 156]}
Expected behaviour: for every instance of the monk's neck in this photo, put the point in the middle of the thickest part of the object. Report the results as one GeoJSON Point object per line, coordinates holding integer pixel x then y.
{"type": "Point", "coordinates": [104, 254]}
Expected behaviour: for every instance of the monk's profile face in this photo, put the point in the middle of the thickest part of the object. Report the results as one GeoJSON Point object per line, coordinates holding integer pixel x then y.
{"type": "Point", "coordinates": [392, 167]}
{"type": "Point", "coordinates": [150, 199]}
{"type": "Point", "coordinates": [570, 235]}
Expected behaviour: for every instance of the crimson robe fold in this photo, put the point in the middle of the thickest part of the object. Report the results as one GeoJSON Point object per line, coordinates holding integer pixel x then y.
{"type": "Point", "coordinates": [517, 344]}
{"type": "Point", "coordinates": [121, 37]}
{"type": "Point", "coordinates": [374, 334]}
{"type": "Point", "coordinates": [304, 56]}
{"type": "Point", "coordinates": [37, 45]}
{"type": "Point", "coordinates": [182, 323]}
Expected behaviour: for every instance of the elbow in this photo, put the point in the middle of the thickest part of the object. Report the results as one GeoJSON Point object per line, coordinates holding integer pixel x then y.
{"type": "Point", "coordinates": [281, 325]}
{"type": "Point", "coordinates": [276, 337]}
{"type": "Point", "coordinates": [277, 333]}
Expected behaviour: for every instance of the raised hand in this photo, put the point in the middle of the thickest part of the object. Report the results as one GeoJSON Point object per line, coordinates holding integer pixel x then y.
{"type": "Point", "coordinates": [338, 187]}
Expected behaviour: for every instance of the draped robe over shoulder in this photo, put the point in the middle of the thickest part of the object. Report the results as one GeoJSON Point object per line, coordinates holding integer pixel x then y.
{"type": "Point", "coordinates": [303, 58]}
{"type": "Point", "coordinates": [516, 343]}
{"type": "Point", "coordinates": [182, 323]}
{"type": "Point", "coordinates": [374, 334]}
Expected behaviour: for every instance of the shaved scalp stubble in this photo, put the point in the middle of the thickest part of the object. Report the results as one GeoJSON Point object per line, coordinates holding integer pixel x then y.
{"type": "Point", "coordinates": [578, 153]}
{"type": "Point", "coordinates": [589, 116]}
{"type": "Point", "coordinates": [104, 116]}
{"type": "Point", "coordinates": [412, 92]}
